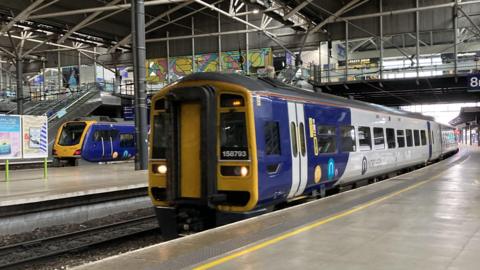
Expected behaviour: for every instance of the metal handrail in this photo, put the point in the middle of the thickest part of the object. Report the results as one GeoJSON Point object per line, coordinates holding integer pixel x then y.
{"type": "Point", "coordinates": [55, 115]}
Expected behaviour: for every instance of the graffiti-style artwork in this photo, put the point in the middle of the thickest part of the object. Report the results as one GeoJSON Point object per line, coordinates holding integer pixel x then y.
{"type": "Point", "coordinates": [207, 62]}
{"type": "Point", "coordinates": [181, 66]}
{"type": "Point", "coordinates": [156, 70]}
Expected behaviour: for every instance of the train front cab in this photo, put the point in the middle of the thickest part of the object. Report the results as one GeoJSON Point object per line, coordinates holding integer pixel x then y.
{"type": "Point", "coordinates": [69, 141]}
{"type": "Point", "coordinates": [202, 168]}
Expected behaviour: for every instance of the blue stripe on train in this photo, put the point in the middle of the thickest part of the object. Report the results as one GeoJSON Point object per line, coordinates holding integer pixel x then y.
{"type": "Point", "coordinates": [275, 186]}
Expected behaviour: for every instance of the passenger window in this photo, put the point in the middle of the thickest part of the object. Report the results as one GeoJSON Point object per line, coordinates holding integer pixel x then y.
{"type": "Point", "coordinates": [433, 138]}
{"type": "Point", "coordinates": [293, 133]}
{"type": "Point", "coordinates": [272, 138]}
{"type": "Point", "coordinates": [303, 148]}
{"type": "Point", "coordinates": [390, 137]}
{"type": "Point", "coordinates": [409, 138]}
{"type": "Point", "coordinates": [364, 138]}
{"type": "Point", "coordinates": [423, 137]}
{"type": "Point", "coordinates": [378, 138]}
{"type": "Point", "coordinates": [401, 138]}
{"type": "Point", "coordinates": [348, 139]}
{"type": "Point", "coordinates": [416, 136]}
{"type": "Point", "coordinates": [326, 139]}
{"type": "Point", "coordinates": [127, 140]}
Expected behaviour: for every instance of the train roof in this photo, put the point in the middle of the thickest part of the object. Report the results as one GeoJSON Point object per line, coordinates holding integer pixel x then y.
{"type": "Point", "coordinates": [276, 86]}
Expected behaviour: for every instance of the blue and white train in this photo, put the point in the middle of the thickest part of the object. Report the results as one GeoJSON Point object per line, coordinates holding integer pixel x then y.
{"type": "Point", "coordinates": [226, 147]}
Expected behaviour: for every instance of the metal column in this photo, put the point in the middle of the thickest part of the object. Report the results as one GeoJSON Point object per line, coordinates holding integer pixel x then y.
{"type": "Point", "coordinates": [417, 29]}
{"type": "Point", "coordinates": [59, 71]}
{"type": "Point", "coordinates": [247, 62]}
{"type": "Point", "coordinates": [94, 65]}
{"type": "Point", "coordinates": [1, 74]}
{"type": "Point", "coordinates": [381, 40]}
{"type": "Point", "coordinates": [193, 47]}
{"type": "Point", "coordinates": [219, 43]}
{"type": "Point", "coordinates": [138, 34]}
{"type": "Point", "coordinates": [346, 50]}
{"type": "Point", "coordinates": [79, 66]}
{"type": "Point", "coordinates": [455, 37]}
{"type": "Point", "coordinates": [168, 58]}
{"type": "Point", "coordinates": [19, 68]}
{"type": "Point", "coordinates": [44, 79]}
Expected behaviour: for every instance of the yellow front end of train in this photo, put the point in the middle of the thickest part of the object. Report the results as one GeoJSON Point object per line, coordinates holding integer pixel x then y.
{"type": "Point", "coordinates": [69, 140]}
{"type": "Point", "coordinates": [203, 149]}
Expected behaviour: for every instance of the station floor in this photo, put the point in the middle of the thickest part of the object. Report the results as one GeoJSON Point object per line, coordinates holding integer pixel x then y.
{"type": "Point", "coordinates": [426, 219]}
{"type": "Point", "coordinates": [28, 186]}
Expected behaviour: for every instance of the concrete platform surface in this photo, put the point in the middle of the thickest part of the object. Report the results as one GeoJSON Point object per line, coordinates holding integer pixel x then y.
{"type": "Point", "coordinates": [427, 219]}
{"type": "Point", "coordinates": [28, 186]}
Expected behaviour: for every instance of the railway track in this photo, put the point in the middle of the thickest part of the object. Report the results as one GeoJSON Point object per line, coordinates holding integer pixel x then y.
{"type": "Point", "coordinates": [27, 252]}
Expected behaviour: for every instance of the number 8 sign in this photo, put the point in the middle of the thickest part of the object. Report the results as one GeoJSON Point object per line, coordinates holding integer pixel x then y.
{"type": "Point", "coordinates": [474, 81]}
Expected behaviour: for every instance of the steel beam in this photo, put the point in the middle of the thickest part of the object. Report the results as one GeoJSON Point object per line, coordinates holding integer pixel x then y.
{"type": "Point", "coordinates": [296, 9]}
{"type": "Point", "coordinates": [219, 27]}
{"type": "Point", "coordinates": [335, 15]}
{"type": "Point", "coordinates": [22, 16]}
{"type": "Point", "coordinates": [417, 30]}
{"type": "Point", "coordinates": [138, 33]}
{"type": "Point", "coordinates": [470, 20]}
{"type": "Point", "coordinates": [406, 10]}
{"type": "Point", "coordinates": [128, 38]}
{"type": "Point", "coordinates": [104, 8]}
{"type": "Point", "coordinates": [88, 19]}
{"type": "Point", "coordinates": [268, 34]}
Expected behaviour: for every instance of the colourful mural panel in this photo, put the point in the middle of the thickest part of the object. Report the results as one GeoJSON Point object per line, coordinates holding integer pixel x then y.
{"type": "Point", "coordinates": [156, 70]}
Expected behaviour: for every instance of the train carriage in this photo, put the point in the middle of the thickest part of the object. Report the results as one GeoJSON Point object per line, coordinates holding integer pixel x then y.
{"type": "Point", "coordinates": [226, 147]}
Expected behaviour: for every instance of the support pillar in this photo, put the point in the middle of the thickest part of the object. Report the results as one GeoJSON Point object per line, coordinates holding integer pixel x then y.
{"type": "Point", "coordinates": [346, 51]}
{"type": "Point", "coordinates": [381, 40]}
{"type": "Point", "coordinates": [194, 66]}
{"type": "Point", "coordinates": [139, 52]}
{"type": "Point", "coordinates": [168, 58]}
{"type": "Point", "coordinates": [247, 61]}
{"type": "Point", "coordinates": [19, 68]}
{"type": "Point", "coordinates": [417, 29]}
{"type": "Point", "coordinates": [219, 43]}
{"type": "Point", "coordinates": [455, 38]}
{"type": "Point", "coordinates": [1, 75]}
{"type": "Point", "coordinates": [59, 71]}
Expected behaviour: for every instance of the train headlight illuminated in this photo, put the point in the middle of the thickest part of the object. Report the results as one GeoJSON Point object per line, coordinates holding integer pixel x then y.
{"type": "Point", "coordinates": [244, 171]}
{"type": "Point", "coordinates": [161, 169]}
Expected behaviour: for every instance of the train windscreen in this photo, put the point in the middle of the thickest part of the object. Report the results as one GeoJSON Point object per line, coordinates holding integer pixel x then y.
{"type": "Point", "coordinates": [71, 134]}
{"type": "Point", "coordinates": [233, 136]}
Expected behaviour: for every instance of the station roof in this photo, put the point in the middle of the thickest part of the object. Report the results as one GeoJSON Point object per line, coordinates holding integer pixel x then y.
{"type": "Point", "coordinates": [467, 114]}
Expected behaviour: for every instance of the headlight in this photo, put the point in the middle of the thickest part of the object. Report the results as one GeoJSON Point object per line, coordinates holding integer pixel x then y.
{"type": "Point", "coordinates": [234, 170]}
{"type": "Point", "coordinates": [244, 171]}
{"type": "Point", "coordinates": [161, 169]}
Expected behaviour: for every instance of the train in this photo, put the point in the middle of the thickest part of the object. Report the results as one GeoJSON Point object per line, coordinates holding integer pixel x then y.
{"type": "Point", "coordinates": [94, 142]}
{"type": "Point", "coordinates": [225, 147]}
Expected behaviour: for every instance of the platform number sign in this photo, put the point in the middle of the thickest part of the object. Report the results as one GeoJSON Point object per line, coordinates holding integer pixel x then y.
{"type": "Point", "coordinates": [474, 81]}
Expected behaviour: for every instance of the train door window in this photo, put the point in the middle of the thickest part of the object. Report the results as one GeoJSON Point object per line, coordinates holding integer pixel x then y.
{"type": "Point", "coordinates": [423, 137]}
{"type": "Point", "coordinates": [347, 134]}
{"type": "Point", "coordinates": [378, 138]}
{"type": "Point", "coordinates": [364, 138]}
{"type": "Point", "coordinates": [409, 138]}
{"type": "Point", "coordinates": [127, 140]}
{"type": "Point", "coordinates": [326, 139]}
{"type": "Point", "coordinates": [401, 138]}
{"type": "Point", "coordinates": [433, 137]}
{"type": "Point", "coordinates": [301, 133]}
{"type": "Point", "coordinates": [416, 136]}
{"type": "Point", "coordinates": [272, 138]}
{"type": "Point", "coordinates": [293, 133]}
{"type": "Point", "coordinates": [231, 100]}
{"type": "Point", "coordinates": [390, 132]}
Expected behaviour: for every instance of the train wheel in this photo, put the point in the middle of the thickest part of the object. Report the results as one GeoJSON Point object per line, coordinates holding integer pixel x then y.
{"type": "Point", "coordinates": [56, 162]}
{"type": "Point", "coordinates": [73, 162]}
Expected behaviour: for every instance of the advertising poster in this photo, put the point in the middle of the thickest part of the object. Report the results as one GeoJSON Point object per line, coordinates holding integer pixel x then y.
{"type": "Point", "coordinates": [35, 137]}
{"type": "Point", "coordinates": [10, 137]}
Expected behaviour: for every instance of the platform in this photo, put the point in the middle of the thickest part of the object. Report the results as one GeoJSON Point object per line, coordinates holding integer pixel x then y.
{"type": "Point", "coordinates": [426, 219]}
{"type": "Point", "coordinates": [28, 186]}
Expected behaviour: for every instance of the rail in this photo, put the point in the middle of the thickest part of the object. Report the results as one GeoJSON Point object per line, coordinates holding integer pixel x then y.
{"type": "Point", "coordinates": [26, 252]}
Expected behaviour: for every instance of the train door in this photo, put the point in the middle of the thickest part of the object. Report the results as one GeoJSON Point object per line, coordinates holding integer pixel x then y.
{"type": "Point", "coordinates": [429, 132]}
{"type": "Point", "coordinates": [190, 171]}
{"type": "Point", "coordinates": [296, 118]}
{"type": "Point", "coordinates": [102, 144]}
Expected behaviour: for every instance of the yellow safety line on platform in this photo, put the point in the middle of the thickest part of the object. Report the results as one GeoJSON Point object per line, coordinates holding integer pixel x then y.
{"type": "Point", "coordinates": [311, 226]}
